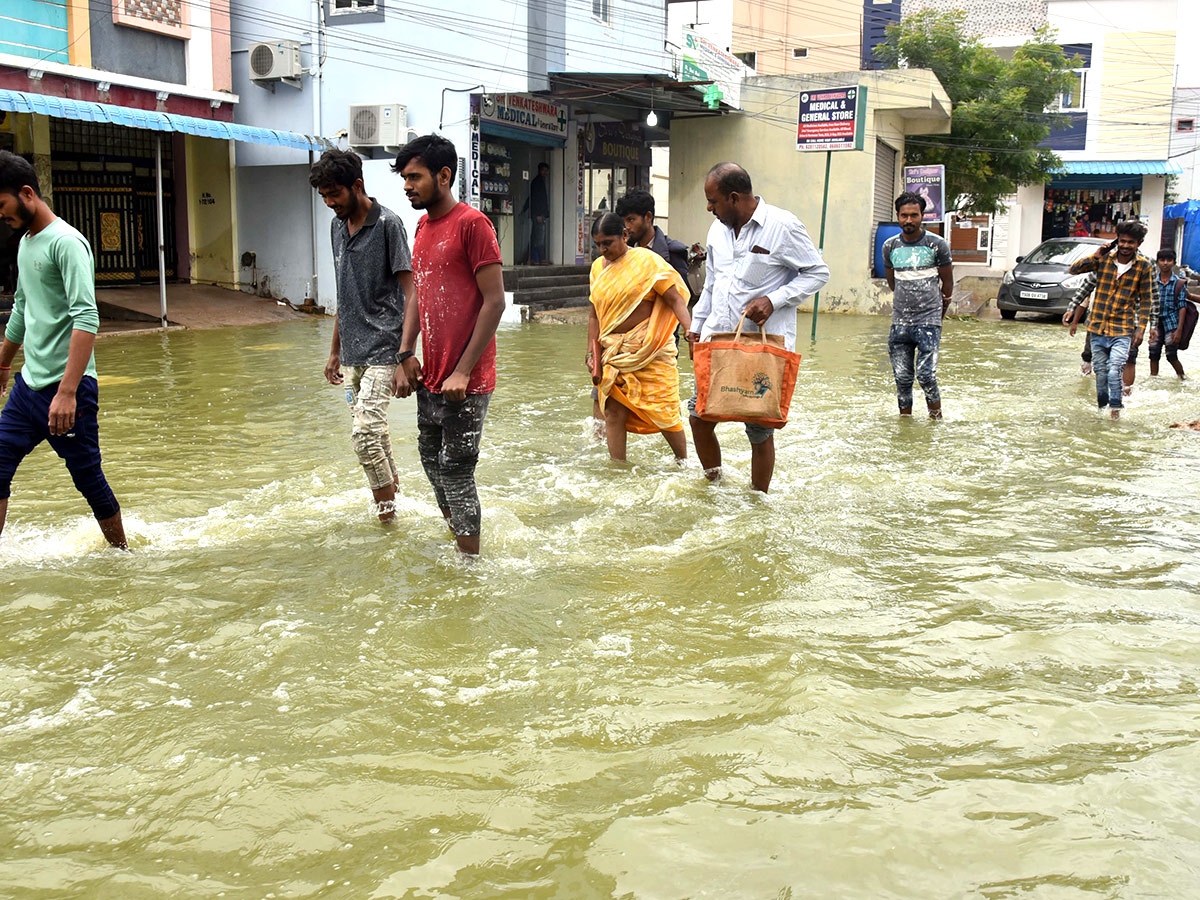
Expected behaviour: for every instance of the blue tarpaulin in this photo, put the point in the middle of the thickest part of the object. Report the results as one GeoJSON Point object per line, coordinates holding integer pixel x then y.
{"type": "Point", "coordinates": [151, 120]}
{"type": "Point", "coordinates": [1189, 211]}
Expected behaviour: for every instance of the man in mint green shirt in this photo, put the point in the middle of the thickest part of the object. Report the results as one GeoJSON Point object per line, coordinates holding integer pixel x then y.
{"type": "Point", "coordinates": [54, 396]}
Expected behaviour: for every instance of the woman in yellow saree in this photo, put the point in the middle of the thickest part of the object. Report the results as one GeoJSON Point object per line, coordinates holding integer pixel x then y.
{"type": "Point", "coordinates": [637, 302]}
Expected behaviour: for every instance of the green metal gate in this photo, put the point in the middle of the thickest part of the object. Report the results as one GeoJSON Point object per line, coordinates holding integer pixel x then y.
{"type": "Point", "coordinates": [104, 185]}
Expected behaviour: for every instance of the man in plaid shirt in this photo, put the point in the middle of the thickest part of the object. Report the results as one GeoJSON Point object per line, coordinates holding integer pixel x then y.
{"type": "Point", "coordinates": [1078, 307]}
{"type": "Point", "coordinates": [1121, 309]}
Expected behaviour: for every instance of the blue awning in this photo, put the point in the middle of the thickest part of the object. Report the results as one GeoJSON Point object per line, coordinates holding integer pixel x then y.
{"type": "Point", "coordinates": [151, 120]}
{"type": "Point", "coordinates": [1121, 167]}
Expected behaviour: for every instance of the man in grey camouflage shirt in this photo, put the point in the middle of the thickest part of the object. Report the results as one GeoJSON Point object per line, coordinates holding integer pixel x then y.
{"type": "Point", "coordinates": [373, 270]}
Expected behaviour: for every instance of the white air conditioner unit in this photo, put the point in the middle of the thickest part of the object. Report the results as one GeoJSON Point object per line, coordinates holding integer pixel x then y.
{"type": "Point", "coordinates": [378, 125]}
{"type": "Point", "coordinates": [272, 61]}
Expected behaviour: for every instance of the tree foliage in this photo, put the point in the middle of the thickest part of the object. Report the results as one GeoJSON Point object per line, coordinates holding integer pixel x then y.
{"type": "Point", "coordinates": [1000, 106]}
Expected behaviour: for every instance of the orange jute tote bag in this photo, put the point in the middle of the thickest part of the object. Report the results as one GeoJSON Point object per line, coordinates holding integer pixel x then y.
{"type": "Point", "coordinates": [745, 378]}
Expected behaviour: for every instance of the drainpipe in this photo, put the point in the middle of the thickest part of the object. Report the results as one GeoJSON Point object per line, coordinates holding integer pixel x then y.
{"type": "Point", "coordinates": [318, 129]}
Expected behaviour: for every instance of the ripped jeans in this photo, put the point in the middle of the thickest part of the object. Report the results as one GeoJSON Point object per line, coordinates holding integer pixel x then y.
{"type": "Point", "coordinates": [448, 437]}
{"type": "Point", "coordinates": [369, 392]}
{"type": "Point", "coordinates": [925, 342]}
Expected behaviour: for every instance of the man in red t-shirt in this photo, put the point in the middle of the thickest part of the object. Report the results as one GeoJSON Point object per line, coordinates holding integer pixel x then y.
{"type": "Point", "coordinates": [460, 298]}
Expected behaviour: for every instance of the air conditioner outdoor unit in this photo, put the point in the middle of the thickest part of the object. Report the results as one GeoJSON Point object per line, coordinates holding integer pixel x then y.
{"type": "Point", "coordinates": [378, 125]}
{"type": "Point", "coordinates": [272, 61]}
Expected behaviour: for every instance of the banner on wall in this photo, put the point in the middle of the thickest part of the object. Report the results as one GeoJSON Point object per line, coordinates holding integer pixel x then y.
{"type": "Point", "coordinates": [473, 184]}
{"type": "Point", "coordinates": [582, 226]}
{"type": "Point", "coordinates": [928, 182]}
{"type": "Point", "coordinates": [702, 60]}
{"type": "Point", "coordinates": [832, 118]}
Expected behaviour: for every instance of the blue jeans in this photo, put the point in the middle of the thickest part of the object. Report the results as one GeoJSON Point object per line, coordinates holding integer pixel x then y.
{"type": "Point", "coordinates": [924, 342]}
{"type": "Point", "coordinates": [25, 423]}
{"type": "Point", "coordinates": [537, 240]}
{"type": "Point", "coordinates": [1109, 355]}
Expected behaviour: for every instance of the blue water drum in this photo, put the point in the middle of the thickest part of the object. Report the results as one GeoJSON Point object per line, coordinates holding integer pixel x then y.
{"type": "Point", "coordinates": [882, 232]}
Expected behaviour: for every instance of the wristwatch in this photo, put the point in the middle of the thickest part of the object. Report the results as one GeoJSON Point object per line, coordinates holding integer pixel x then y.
{"type": "Point", "coordinates": [403, 355]}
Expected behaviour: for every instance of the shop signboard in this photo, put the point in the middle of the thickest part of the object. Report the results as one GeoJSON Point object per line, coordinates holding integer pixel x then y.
{"type": "Point", "coordinates": [473, 183]}
{"type": "Point", "coordinates": [615, 144]}
{"type": "Point", "coordinates": [832, 118]}
{"type": "Point", "coordinates": [582, 235]}
{"type": "Point", "coordinates": [702, 60]}
{"type": "Point", "coordinates": [525, 113]}
{"type": "Point", "coordinates": [928, 182]}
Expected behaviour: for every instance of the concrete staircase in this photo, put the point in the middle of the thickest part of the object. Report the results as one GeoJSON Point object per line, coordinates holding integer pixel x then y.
{"type": "Point", "coordinates": [547, 287]}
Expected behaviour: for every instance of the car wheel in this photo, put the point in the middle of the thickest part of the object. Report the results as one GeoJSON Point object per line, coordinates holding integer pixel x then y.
{"type": "Point", "coordinates": [1008, 313]}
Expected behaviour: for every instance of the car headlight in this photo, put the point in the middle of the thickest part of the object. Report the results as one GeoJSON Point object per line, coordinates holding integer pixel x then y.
{"type": "Point", "coordinates": [1075, 282]}
{"type": "Point", "coordinates": [1008, 277]}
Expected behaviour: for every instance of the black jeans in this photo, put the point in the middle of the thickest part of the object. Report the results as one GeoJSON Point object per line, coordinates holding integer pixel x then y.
{"type": "Point", "coordinates": [448, 437]}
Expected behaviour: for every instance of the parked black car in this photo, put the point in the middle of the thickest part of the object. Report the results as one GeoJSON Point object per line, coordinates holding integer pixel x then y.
{"type": "Point", "coordinates": [1041, 282]}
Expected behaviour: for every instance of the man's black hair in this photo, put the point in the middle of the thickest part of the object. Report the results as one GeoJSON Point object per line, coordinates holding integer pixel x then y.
{"type": "Point", "coordinates": [636, 203]}
{"type": "Point", "coordinates": [17, 172]}
{"type": "Point", "coordinates": [909, 197]}
{"type": "Point", "coordinates": [433, 151]}
{"type": "Point", "coordinates": [543, 165]}
{"type": "Point", "coordinates": [609, 224]}
{"type": "Point", "coordinates": [1135, 230]}
{"type": "Point", "coordinates": [731, 178]}
{"type": "Point", "coordinates": [336, 168]}
{"type": "Point", "coordinates": [1166, 253]}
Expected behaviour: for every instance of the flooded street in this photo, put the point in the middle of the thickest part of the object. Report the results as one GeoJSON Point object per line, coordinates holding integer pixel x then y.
{"type": "Point", "coordinates": [953, 659]}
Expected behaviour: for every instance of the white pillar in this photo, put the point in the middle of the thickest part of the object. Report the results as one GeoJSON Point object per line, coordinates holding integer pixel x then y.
{"type": "Point", "coordinates": [162, 241]}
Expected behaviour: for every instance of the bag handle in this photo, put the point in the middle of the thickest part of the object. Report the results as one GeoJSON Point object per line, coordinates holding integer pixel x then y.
{"type": "Point", "coordinates": [738, 335]}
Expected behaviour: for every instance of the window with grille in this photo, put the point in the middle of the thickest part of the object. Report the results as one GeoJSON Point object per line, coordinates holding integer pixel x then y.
{"type": "Point", "coordinates": [601, 10]}
{"type": "Point", "coordinates": [349, 7]}
{"type": "Point", "coordinates": [799, 53]}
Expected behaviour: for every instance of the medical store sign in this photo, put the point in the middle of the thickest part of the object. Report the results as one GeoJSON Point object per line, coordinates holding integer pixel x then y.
{"type": "Point", "coordinates": [702, 60]}
{"type": "Point", "coordinates": [525, 113]}
{"type": "Point", "coordinates": [832, 118]}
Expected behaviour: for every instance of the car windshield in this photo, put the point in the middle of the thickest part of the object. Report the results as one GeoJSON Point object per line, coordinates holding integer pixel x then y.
{"type": "Point", "coordinates": [1060, 253]}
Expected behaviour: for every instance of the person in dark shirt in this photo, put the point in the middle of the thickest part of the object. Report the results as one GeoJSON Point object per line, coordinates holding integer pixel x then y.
{"type": "Point", "coordinates": [538, 205]}
{"type": "Point", "coordinates": [637, 209]}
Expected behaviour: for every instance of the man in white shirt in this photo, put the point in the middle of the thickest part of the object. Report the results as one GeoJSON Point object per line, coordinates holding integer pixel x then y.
{"type": "Point", "coordinates": [762, 262]}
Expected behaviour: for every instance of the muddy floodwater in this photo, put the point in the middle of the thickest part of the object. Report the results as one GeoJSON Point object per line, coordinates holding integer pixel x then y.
{"type": "Point", "coordinates": [940, 660]}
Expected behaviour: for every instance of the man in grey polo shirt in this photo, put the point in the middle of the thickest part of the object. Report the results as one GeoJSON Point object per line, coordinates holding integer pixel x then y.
{"type": "Point", "coordinates": [373, 269]}
{"type": "Point", "coordinates": [761, 262]}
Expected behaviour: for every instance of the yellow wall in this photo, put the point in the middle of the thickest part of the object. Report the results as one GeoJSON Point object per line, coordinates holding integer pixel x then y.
{"type": "Point", "coordinates": [766, 147]}
{"type": "Point", "coordinates": [211, 205]}
{"type": "Point", "coordinates": [1134, 115]}
{"type": "Point", "coordinates": [79, 34]}
{"type": "Point", "coordinates": [831, 30]}
{"type": "Point", "coordinates": [31, 137]}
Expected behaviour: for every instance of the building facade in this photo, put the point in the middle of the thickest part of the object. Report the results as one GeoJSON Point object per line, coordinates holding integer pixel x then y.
{"type": "Point", "coordinates": [512, 84]}
{"type": "Point", "coordinates": [863, 183]}
{"type": "Point", "coordinates": [81, 84]}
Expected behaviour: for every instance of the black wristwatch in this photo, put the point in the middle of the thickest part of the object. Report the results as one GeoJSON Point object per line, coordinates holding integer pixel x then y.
{"type": "Point", "coordinates": [403, 355]}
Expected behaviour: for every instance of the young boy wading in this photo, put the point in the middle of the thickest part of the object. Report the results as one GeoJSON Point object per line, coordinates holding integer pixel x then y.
{"type": "Point", "coordinates": [460, 298]}
{"type": "Point", "coordinates": [54, 397]}
{"type": "Point", "coordinates": [920, 273]}
{"type": "Point", "coordinates": [374, 275]}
